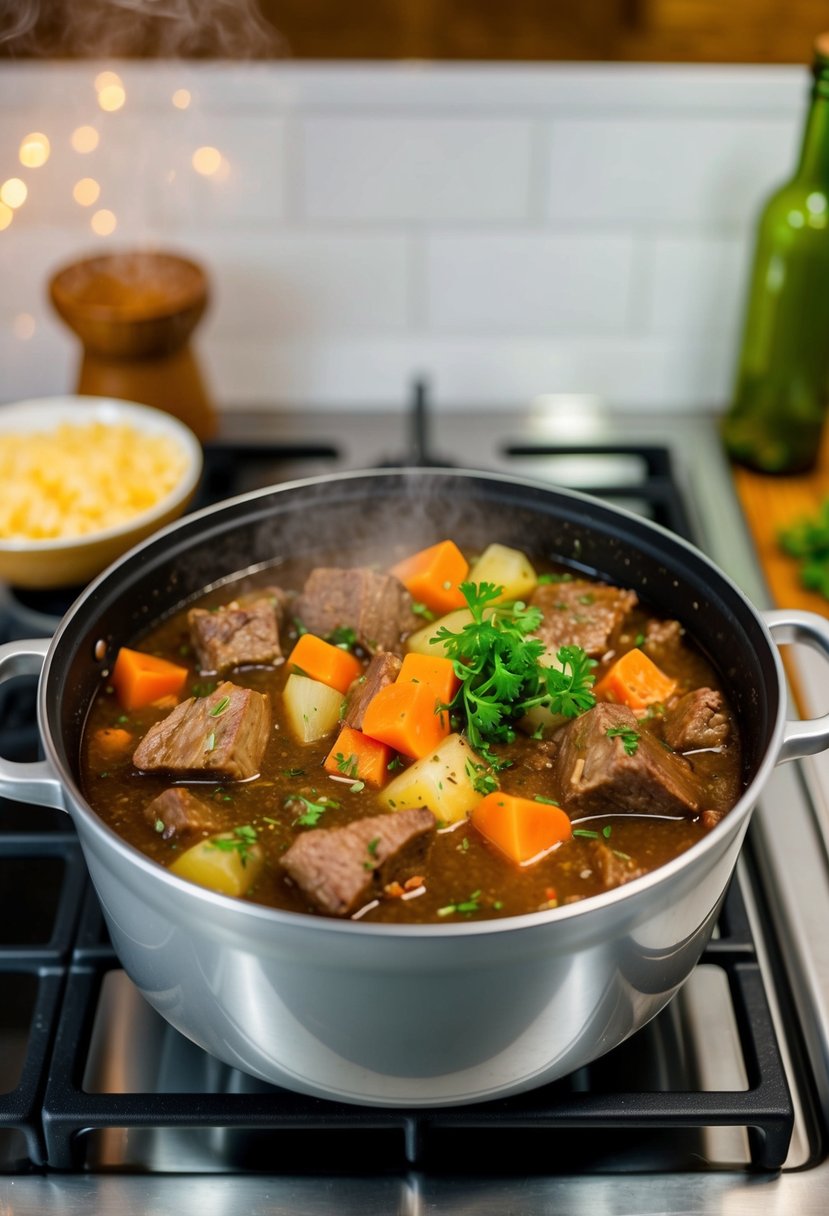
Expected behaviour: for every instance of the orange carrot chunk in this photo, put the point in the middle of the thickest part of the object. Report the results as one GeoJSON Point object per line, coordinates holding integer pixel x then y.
{"type": "Point", "coordinates": [358, 756]}
{"type": "Point", "coordinates": [432, 670]}
{"type": "Point", "coordinates": [522, 829]}
{"type": "Point", "coordinates": [432, 576]}
{"type": "Point", "coordinates": [112, 740]}
{"type": "Point", "coordinates": [140, 679]}
{"type": "Point", "coordinates": [319, 660]}
{"type": "Point", "coordinates": [407, 717]}
{"type": "Point", "coordinates": [635, 680]}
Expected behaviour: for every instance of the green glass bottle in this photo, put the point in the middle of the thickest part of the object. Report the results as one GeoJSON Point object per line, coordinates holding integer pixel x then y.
{"type": "Point", "coordinates": [780, 399]}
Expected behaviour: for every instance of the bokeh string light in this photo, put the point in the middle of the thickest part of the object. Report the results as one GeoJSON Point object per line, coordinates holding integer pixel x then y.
{"type": "Point", "coordinates": [35, 149]}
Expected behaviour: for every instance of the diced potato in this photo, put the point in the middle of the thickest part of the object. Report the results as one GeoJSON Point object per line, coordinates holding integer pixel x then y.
{"type": "Point", "coordinates": [421, 641]}
{"type": "Point", "coordinates": [312, 709]}
{"type": "Point", "coordinates": [226, 863]}
{"type": "Point", "coordinates": [441, 781]}
{"type": "Point", "coordinates": [541, 720]}
{"type": "Point", "coordinates": [507, 568]}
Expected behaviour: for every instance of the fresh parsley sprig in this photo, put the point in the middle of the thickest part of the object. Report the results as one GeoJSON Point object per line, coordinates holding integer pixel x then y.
{"type": "Point", "coordinates": [497, 660]}
{"type": "Point", "coordinates": [807, 540]}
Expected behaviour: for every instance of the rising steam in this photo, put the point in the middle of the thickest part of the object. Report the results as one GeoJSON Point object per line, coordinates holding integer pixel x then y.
{"type": "Point", "coordinates": [164, 29]}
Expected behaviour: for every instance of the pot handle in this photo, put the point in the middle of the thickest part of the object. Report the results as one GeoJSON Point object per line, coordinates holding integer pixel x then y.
{"type": "Point", "coordinates": [34, 781]}
{"type": "Point", "coordinates": [787, 625]}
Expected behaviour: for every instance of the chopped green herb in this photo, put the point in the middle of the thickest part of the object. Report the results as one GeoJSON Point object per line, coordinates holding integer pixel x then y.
{"type": "Point", "coordinates": [347, 765]}
{"type": "Point", "coordinates": [483, 779]}
{"type": "Point", "coordinates": [807, 540]}
{"type": "Point", "coordinates": [356, 786]}
{"type": "Point", "coordinates": [623, 856]}
{"type": "Point", "coordinates": [241, 840]}
{"type": "Point", "coordinates": [371, 849]}
{"type": "Point", "coordinates": [220, 707]}
{"type": "Point", "coordinates": [544, 579]}
{"type": "Point", "coordinates": [210, 741]}
{"type": "Point", "coordinates": [639, 640]}
{"type": "Point", "coordinates": [394, 764]}
{"type": "Point", "coordinates": [342, 636]}
{"type": "Point", "coordinates": [547, 801]}
{"type": "Point", "coordinates": [421, 610]}
{"type": "Point", "coordinates": [468, 905]}
{"type": "Point", "coordinates": [606, 830]}
{"type": "Point", "coordinates": [314, 811]}
{"type": "Point", "coordinates": [587, 833]}
{"type": "Point", "coordinates": [159, 825]}
{"type": "Point", "coordinates": [293, 772]}
{"type": "Point", "coordinates": [628, 735]}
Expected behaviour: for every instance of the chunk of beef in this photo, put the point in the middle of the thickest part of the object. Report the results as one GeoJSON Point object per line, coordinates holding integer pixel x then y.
{"type": "Point", "coordinates": [663, 634]}
{"type": "Point", "coordinates": [699, 719]}
{"type": "Point", "coordinates": [613, 869]}
{"type": "Point", "coordinates": [597, 773]}
{"type": "Point", "coordinates": [383, 669]}
{"type": "Point", "coordinates": [246, 631]}
{"type": "Point", "coordinates": [222, 736]}
{"type": "Point", "coordinates": [341, 869]}
{"type": "Point", "coordinates": [580, 613]}
{"type": "Point", "coordinates": [181, 813]}
{"type": "Point", "coordinates": [376, 606]}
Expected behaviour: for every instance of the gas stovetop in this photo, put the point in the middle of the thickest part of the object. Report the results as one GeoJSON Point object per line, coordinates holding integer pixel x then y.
{"type": "Point", "coordinates": [717, 1105]}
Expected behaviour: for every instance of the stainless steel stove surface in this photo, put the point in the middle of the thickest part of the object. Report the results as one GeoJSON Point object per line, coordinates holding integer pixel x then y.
{"type": "Point", "coordinates": [721, 1104]}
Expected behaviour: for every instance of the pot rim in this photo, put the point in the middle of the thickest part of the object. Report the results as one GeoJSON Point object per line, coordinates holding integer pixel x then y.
{"type": "Point", "coordinates": [263, 916]}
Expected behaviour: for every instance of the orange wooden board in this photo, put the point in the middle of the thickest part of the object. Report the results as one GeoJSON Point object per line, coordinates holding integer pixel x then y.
{"type": "Point", "coordinates": [771, 504]}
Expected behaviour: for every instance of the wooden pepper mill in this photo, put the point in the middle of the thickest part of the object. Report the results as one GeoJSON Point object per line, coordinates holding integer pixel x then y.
{"type": "Point", "coordinates": [134, 313]}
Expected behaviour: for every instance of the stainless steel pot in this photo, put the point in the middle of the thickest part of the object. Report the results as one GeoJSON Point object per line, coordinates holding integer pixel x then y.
{"type": "Point", "coordinates": [409, 1015]}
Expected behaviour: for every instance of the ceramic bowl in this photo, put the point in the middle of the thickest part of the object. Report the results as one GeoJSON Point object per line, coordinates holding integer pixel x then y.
{"type": "Point", "coordinates": [70, 560]}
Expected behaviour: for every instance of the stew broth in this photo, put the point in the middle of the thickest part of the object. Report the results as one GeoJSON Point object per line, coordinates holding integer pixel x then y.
{"type": "Point", "coordinates": [463, 875]}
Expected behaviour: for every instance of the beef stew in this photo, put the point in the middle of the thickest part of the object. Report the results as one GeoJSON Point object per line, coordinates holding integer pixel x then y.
{"type": "Point", "coordinates": [630, 763]}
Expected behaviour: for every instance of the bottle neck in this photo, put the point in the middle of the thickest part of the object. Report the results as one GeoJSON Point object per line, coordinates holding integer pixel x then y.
{"type": "Point", "coordinates": [814, 154]}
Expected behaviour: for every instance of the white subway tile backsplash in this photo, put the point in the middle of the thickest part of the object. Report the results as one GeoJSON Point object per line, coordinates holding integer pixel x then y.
{"type": "Point", "coordinates": [698, 285]}
{"type": "Point", "coordinates": [39, 363]}
{"type": "Point", "coordinates": [527, 282]}
{"type": "Point", "coordinates": [508, 230]}
{"type": "Point", "coordinates": [665, 172]}
{"type": "Point", "coordinates": [304, 283]}
{"type": "Point", "coordinates": [398, 168]}
{"type": "Point", "coordinates": [467, 373]}
{"type": "Point", "coordinates": [243, 179]}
